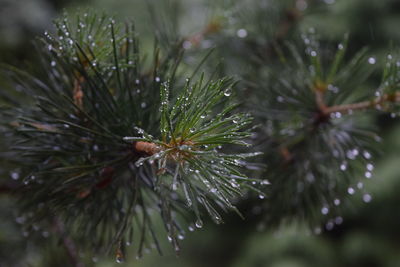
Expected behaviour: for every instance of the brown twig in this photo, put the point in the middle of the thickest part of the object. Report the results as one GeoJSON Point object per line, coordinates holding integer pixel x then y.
{"type": "Point", "coordinates": [391, 98]}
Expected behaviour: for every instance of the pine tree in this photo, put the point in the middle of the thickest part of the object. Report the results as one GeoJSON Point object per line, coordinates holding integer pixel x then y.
{"type": "Point", "coordinates": [104, 142]}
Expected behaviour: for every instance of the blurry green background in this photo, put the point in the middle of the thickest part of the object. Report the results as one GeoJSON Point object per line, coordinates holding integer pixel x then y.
{"type": "Point", "coordinates": [369, 234]}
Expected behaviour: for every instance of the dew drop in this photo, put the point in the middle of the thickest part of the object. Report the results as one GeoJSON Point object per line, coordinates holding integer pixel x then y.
{"type": "Point", "coordinates": [371, 60]}
{"type": "Point", "coordinates": [260, 196]}
{"type": "Point", "coordinates": [228, 92]}
{"type": "Point", "coordinates": [265, 182]}
{"type": "Point", "coordinates": [360, 185]}
{"type": "Point", "coordinates": [241, 33]}
{"type": "Point", "coordinates": [317, 230]}
{"type": "Point", "coordinates": [325, 210]}
{"type": "Point", "coordinates": [368, 175]}
{"type": "Point", "coordinates": [313, 53]}
{"type": "Point", "coordinates": [14, 175]}
{"type": "Point", "coordinates": [143, 105]}
{"type": "Point", "coordinates": [53, 63]}
{"type": "Point", "coordinates": [366, 155]}
{"type": "Point", "coordinates": [199, 223]}
{"type": "Point", "coordinates": [329, 226]}
{"type": "Point", "coordinates": [157, 79]}
{"type": "Point", "coordinates": [119, 256]}
{"type": "Point", "coordinates": [351, 190]}
{"type": "Point", "coordinates": [187, 44]}
{"type": "Point", "coordinates": [370, 167]}
{"type": "Point", "coordinates": [367, 198]}
{"type": "Point", "coordinates": [343, 166]}
{"type": "Point", "coordinates": [338, 220]}
{"type": "Point", "coordinates": [340, 46]}
{"type": "Point", "coordinates": [45, 234]}
{"type": "Point", "coordinates": [20, 219]}
{"type": "Point", "coordinates": [336, 202]}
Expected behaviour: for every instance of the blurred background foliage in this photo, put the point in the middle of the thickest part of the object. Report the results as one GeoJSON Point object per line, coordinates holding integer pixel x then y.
{"type": "Point", "coordinates": [369, 234]}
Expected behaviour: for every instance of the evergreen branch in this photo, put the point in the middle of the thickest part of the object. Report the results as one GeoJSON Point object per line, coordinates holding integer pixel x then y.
{"type": "Point", "coordinates": [98, 157]}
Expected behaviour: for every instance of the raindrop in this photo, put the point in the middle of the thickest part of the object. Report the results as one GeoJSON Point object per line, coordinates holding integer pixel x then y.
{"type": "Point", "coordinates": [265, 182]}
{"type": "Point", "coordinates": [340, 46]}
{"type": "Point", "coordinates": [181, 237]}
{"type": "Point", "coordinates": [187, 44]}
{"type": "Point", "coordinates": [260, 196]}
{"type": "Point", "coordinates": [367, 198]}
{"type": "Point", "coordinates": [338, 220]}
{"type": "Point", "coordinates": [360, 185]}
{"type": "Point", "coordinates": [343, 166]}
{"type": "Point", "coordinates": [351, 190]}
{"type": "Point", "coordinates": [371, 60]}
{"type": "Point", "coordinates": [325, 210]}
{"type": "Point", "coordinates": [313, 53]}
{"type": "Point", "coordinates": [119, 259]}
{"type": "Point", "coordinates": [228, 92]}
{"type": "Point", "coordinates": [157, 79]}
{"type": "Point", "coordinates": [366, 155]}
{"type": "Point", "coordinates": [336, 202]}
{"type": "Point", "coordinates": [14, 175]}
{"type": "Point", "coordinates": [317, 230]}
{"type": "Point", "coordinates": [191, 228]}
{"type": "Point", "coordinates": [280, 99]}
{"type": "Point", "coordinates": [45, 234]}
{"type": "Point", "coordinates": [241, 33]}
{"type": "Point", "coordinates": [143, 105]}
{"type": "Point", "coordinates": [199, 223]}
{"type": "Point", "coordinates": [368, 175]}
{"type": "Point", "coordinates": [329, 226]}
{"type": "Point", "coordinates": [119, 256]}
{"type": "Point", "coordinates": [20, 219]}
{"type": "Point", "coordinates": [370, 167]}
{"type": "Point", "coordinates": [53, 63]}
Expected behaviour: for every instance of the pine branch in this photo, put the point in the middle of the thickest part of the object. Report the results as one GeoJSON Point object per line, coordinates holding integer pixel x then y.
{"type": "Point", "coordinates": [95, 149]}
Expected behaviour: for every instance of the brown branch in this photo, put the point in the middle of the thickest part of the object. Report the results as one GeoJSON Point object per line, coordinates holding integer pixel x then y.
{"type": "Point", "coordinates": [392, 98]}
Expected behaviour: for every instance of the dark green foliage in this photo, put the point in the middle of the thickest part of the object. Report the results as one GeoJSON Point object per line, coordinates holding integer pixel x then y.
{"type": "Point", "coordinates": [75, 147]}
{"type": "Point", "coordinates": [112, 144]}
